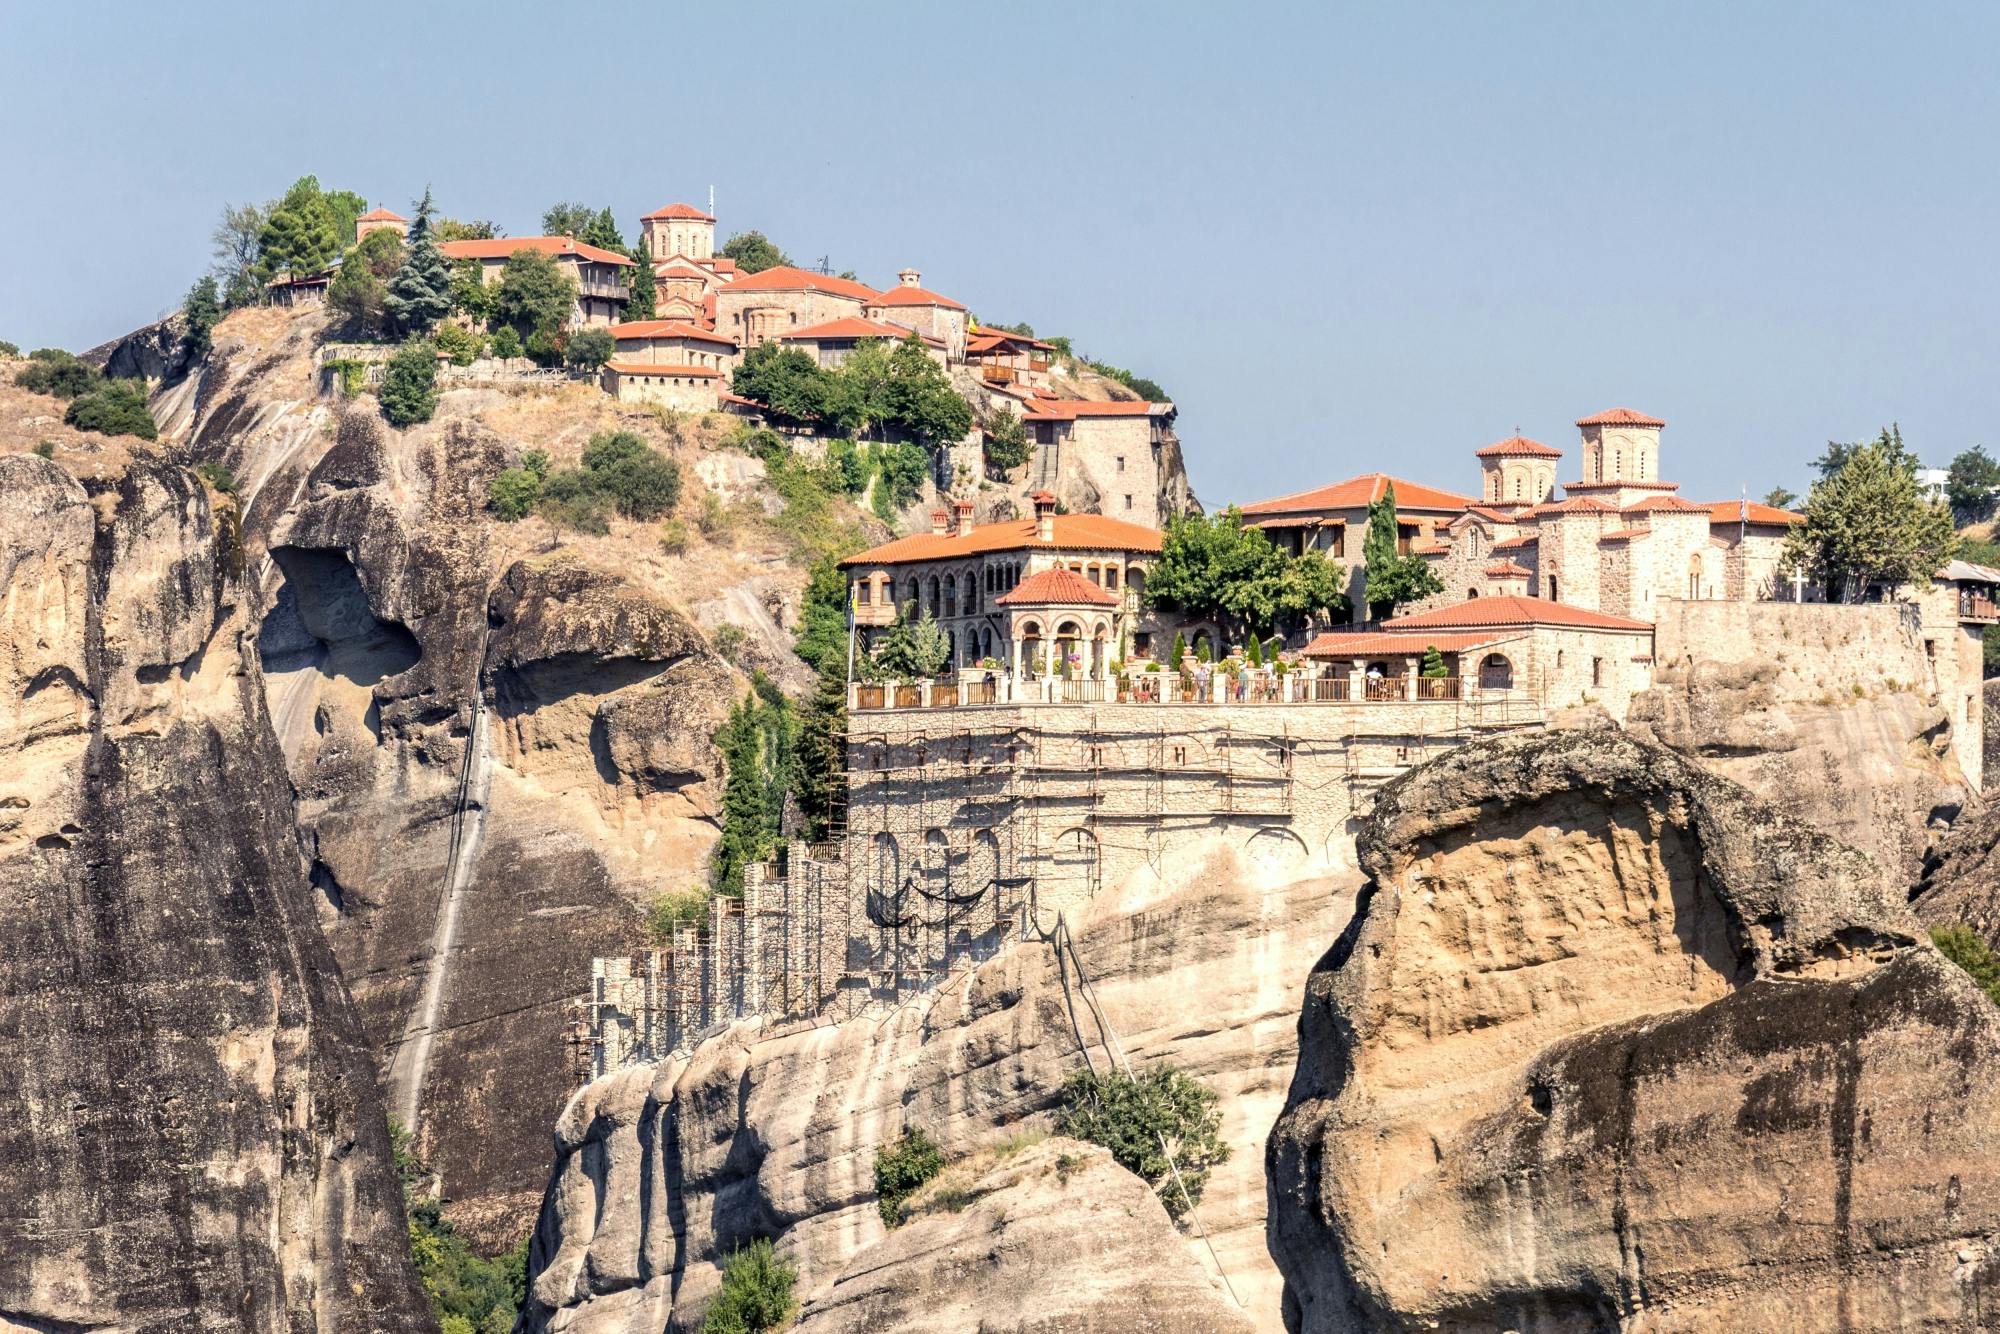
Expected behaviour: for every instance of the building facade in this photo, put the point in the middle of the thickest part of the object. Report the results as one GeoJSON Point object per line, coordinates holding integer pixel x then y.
{"type": "Point", "coordinates": [602, 277]}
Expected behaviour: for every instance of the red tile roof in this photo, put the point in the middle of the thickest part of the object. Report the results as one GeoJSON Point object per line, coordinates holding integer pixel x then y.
{"type": "Point", "coordinates": [1652, 504]}
{"type": "Point", "coordinates": [787, 279]}
{"type": "Point", "coordinates": [1062, 586]}
{"type": "Point", "coordinates": [1362, 491]}
{"type": "Point", "coordinates": [1507, 569]}
{"type": "Point", "coordinates": [1620, 417]}
{"type": "Point", "coordinates": [381, 215]}
{"type": "Point", "coordinates": [545, 245]}
{"type": "Point", "coordinates": [1086, 531]}
{"type": "Point", "coordinates": [1511, 611]}
{"type": "Point", "coordinates": [1516, 543]}
{"type": "Point", "coordinates": [915, 296]}
{"type": "Point", "coordinates": [651, 368]}
{"type": "Point", "coordinates": [1621, 484]}
{"type": "Point", "coordinates": [985, 339]}
{"type": "Point", "coordinates": [1625, 534]}
{"type": "Point", "coordinates": [667, 329]}
{"type": "Point", "coordinates": [1517, 446]}
{"type": "Point", "coordinates": [1368, 643]}
{"type": "Point", "coordinates": [1496, 513]}
{"type": "Point", "coordinates": [1733, 511]}
{"type": "Point", "coordinates": [1428, 548]}
{"type": "Point", "coordinates": [679, 268]}
{"type": "Point", "coordinates": [1069, 409]}
{"type": "Point", "coordinates": [853, 326]}
{"type": "Point", "coordinates": [678, 211]}
{"type": "Point", "coordinates": [1574, 505]}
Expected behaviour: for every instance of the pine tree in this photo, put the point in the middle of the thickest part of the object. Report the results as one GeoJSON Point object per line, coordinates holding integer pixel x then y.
{"type": "Point", "coordinates": [420, 293]}
{"type": "Point", "coordinates": [744, 800]}
{"type": "Point", "coordinates": [1180, 651]}
{"type": "Point", "coordinates": [199, 312]}
{"type": "Point", "coordinates": [300, 237]}
{"type": "Point", "coordinates": [643, 304]}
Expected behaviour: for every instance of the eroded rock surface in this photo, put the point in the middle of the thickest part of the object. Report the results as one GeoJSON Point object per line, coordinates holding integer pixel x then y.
{"type": "Point", "coordinates": [1612, 1045]}
{"type": "Point", "coordinates": [194, 1138]}
{"type": "Point", "coordinates": [1056, 1239]}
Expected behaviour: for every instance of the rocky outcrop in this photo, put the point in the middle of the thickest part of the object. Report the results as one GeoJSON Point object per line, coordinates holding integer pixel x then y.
{"type": "Point", "coordinates": [661, 1170]}
{"type": "Point", "coordinates": [1053, 1239]}
{"type": "Point", "coordinates": [1962, 888]}
{"type": "Point", "coordinates": [1612, 1045]}
{"type": "Point", "coordinates": [194, 1124]}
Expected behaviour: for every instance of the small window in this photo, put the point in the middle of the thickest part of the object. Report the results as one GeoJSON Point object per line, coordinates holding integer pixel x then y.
{"type": "Point", "coordinates": [1128, 502]}
{"type": "Point", "coordinates": [1597, 671]}
{"type": "Point", "coordinates": [1111, 576]}
{"type": "Point", "coordinates": [864, 594]}
{"type": "Point", "coordinates": [1180, 756]}
{"type": "Point", "coordinates": [1121, 463]}
{"type": "Point", "coordinates": [1402, 754]}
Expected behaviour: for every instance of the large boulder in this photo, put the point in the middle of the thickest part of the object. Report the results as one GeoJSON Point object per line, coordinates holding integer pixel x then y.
{"type": "Point", "coordinates": [1612, 1045]}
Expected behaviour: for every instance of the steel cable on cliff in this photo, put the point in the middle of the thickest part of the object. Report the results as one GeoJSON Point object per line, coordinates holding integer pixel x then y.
{"type": "Point", "coordinates": [1062, 941]}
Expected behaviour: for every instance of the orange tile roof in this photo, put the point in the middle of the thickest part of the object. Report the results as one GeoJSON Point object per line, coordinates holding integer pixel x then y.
{"type": "Point", "coordinates": [1367, 643]}
{"type": "Point", "coordinates": [679, 268]}
{"type": "Point", "coordinates": [1362, 491]}
{"type": "Point", "coordinates": [1735, 511]}
{"type": "Point", "coordinates": [678, 211]}
{"type": "Point", "coordinates": [915, 296]}
{"type": "Point", "coordinates": [667, 329]}
{"type": "Point", "coordinates": [504, 246]}
{"type": "Point", "coordinates": [1429, 548]}
{"type": "Point", "coordinates": [1516, 543]}
{"type": "Point", "coordinates": [1496, 513]}
{"type": "Point", "coordinates": [987, 338]}
{"type": "Point", "coordinates": [1508, 569]}
{"type": "Point", "coordinates": [1069, 409]}
{"type": "Point", "coordinates": [1062, 586]}
{"type": "Point", "coordinates": [787, 279]}
{"type": "Point", "coordinates": [1620, 484]}
{"type": "Point", "coordinates": [1574, 505]}
{"type": "Point", "coordinates": [1517, 446]}
{"type": "Point", "coordinates": [1625, 534]}
{"type": "Point", "coordinates": [1511, 611]}
{"type": "Point", "coordinates": [1087, 531]}
{"type": "Point", "coordinates": [853, 326]}
{"type": "Point", "coordinates": [650, 368]}
{"type": "Point", "coordinates": [1670, 503]}
{"type": "Point", "coordinates": [381, 215]}
{"type": "Point", "coordinates": [1619, 417]}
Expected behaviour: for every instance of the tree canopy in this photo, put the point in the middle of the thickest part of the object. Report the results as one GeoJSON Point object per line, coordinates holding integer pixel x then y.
{"type": "Point", "coordinates": [900, 387]}
{"type": "Point", "coordinates": [1970, 485]}
{"type": "Point", "coordinates": [1868, 526]}
{"type": "Point", "coordinates": [301, 232]}
{"type": "Point", "coordinates": [409, 384]}
{"type": "Point", "coordinates": [1216, 568]}
{"type": "Point", "coordinates": [1779, 497]}
{"type": "Point", "coordinates": [534, 295]}
{"type": "Point", "coordinates": [420, 293]}
{"type": "Point", "coordinates": [357, 293]}
{"type": "Point", "coordinates": [753, 252]}
{"type": "Point", "coordinates": [1393, 578]}
{"type": "Point", "coordinates": [200, 311]}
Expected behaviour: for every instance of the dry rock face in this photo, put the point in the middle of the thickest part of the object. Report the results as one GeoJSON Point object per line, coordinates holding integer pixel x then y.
{"type": "Point", "coordinates": [194, 1137]}
{"type": "Point", "coordinates": [661, 1170]}
{"type": "Point", "coordinates": [1057, 1239]}
{"type": "Point", "coordinates": [1611, 1045]}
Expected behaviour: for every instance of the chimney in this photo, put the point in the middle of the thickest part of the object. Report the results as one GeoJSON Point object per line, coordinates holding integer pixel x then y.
{"type": "Point", "coordinates": [1045, 516]}
{"type": "Point", "coordinates": [940, 523]}
{"type": "Point", "coordinates": [909, 277]}
{"type": "Point", "coordinates": [963, 510]}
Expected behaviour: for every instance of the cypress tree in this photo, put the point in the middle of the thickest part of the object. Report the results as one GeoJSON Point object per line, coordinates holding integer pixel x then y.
{"type": "Point", "coordinates": [643, 304]}
{"type": "Point", "coordinates": [744, 800]}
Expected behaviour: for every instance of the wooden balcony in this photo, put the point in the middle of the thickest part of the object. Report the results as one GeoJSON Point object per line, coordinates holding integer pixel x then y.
{"type": "Point", "coordinates": [1977, 607]}
{"type": "Point", "coordinates": [996, 374]}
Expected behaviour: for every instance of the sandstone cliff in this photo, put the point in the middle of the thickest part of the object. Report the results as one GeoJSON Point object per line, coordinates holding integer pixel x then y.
{"type": "Point", "coordinates": [1611, 1045]}
{"type": "Point", "coordinates": [661, 1170]}
{"type": "Point", "coordinates": [194, 1138]}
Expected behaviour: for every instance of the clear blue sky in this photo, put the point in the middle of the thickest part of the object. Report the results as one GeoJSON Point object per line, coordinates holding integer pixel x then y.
{"type": "Point", "coordinates": [1342, 237]}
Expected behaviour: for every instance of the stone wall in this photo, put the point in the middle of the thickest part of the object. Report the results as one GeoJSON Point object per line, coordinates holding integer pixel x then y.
{"type": "Point", "coordinates": [760, 315]}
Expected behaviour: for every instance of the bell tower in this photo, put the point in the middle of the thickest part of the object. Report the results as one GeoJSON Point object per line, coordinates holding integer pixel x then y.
{"type": "Point", "coordinates": [1517, 471]}
{"type": "Point", "coordinates": [678, 231]}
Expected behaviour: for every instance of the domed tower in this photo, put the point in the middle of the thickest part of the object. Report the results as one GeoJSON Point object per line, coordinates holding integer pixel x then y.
{"type": "Point", "coordinates": [1517, 471]}
{"type": "Point", "coordinates": [1621, 458]}
{"type": "Point", "coordinates": [678, 230]}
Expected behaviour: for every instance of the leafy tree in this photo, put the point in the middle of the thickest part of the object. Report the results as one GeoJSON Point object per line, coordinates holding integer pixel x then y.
{"type": "Point", "coordinates": [757, 750]}
{"type": "Point", "coordinates": [409, 393]}
{"type": "Point", "coordinates": [236, 239]}
{"type": "Point", "coordinates": [821, 640]}
{"type": "Point", "coordinates": [358, 292]}
{"type": "Point", "coordinates": [850, 467]}
{"type": "Point", "coordinates": [786, 380]}
{"type": "Point", "coordinates": [1392, 579]}
{"type": "Point", "coordinates": [471, 295]}
{"type": "Point", "coordinates": [1836, 455]}
{"type": "Point", "coordinates": [676, 908]}
{"type": "Point", "coordinates": [1217, 567]}
{"type": "Point", "coordinates": [1163, 1115]}
{"type": "Point", "coordinates": [1007, 443]}
{"type": "Point", "coordinates": [465, 1290]}
{"type": "Point", "coordinates": [544, 348]}
{"type": "Point", "coordinates": [420, 293]}
{"type": "Point", "coordinates": [912, 649]}
{"type": "Point", "coordinates": [506, 343]}
{"type": "Point", "coordinates": [1780, 498]}
{"type": "Point", "coordinates": [200, 310]}
{"type": "Point", "coordinates": [641, 481]}
{"type": "Point", "coordinates": [1970, 485]}
{"type": "Point", "coordinates": [9, 350]}
{"type": "Point", "coordinates": [920, 398]}
{"type": "Point", "coordinates": [534, 295]}
{"type": "Point", "coordinates": [589, 349]}
{"type": "Point", "coordinates": [902, 1168]}
{"type": "Point", "coordinates": [1964, 947]}
{"type": "Point", "coordinates": [1868, 525]}
{"type": "Point", "coordinates": [118, 407]}
{"type": "Point", "coordinates": [900, 470]}
{"type": "Point", "coordinates": [453, 229]}
{"type": "Point", "coordinates": [756, 1294]}
{"type": "Point", "coordinates": [456, 343]}
{"type": "Point", "coordinates": [753, 252]}
{"type": "Point", "coordinates": [345, 206]}
{"type": "Point", "coordinates": [301, 234]}
{"type": "Point", "coordinates": [568, 219]}
{"type": "Point", "coordinates": [513, 494]}
{"type": "Point", "coordinates": [50, 370]}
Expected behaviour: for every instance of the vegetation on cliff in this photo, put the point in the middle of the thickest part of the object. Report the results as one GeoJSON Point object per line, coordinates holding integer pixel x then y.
{"type": "Point", "coordinates": [468, 1293]}
{"type": "Point", "coordinates": [1868, 525]}
{"type": "Point", "coordinates": [756, 1292]}
{"type": "Point", "coordinates": [1162, 1121]}
{"type": "Point", "coordinates": [902, 1167]}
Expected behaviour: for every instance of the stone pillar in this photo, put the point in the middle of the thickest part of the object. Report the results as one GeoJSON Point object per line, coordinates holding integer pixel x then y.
{"type": "Point", "coordinates": [1357, 681]}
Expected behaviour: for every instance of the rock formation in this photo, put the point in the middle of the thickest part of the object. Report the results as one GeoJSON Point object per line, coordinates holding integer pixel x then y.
{"type": "Point", "coordinates": [662, 1169]}
{"type": "Point", "coordinates": [1054, 1239]}
{"type": "Point", "coordinates": [194, 1135]}
{"type": "Point", "coordinates": [1611, 1045]}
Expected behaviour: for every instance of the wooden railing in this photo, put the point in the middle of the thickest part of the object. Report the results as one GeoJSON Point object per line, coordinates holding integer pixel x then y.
{"type": "Point", "coordinates": [1974, 607]}
{"type": "Point", "coordinates": [997, 374]}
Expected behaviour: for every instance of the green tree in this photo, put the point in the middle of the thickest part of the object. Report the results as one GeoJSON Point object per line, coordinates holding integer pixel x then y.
{"type": "Point", "coordinates": [589, 349]}
{"type": "Point", "coordinates": [200, 311]}
{"type": "Point", "coordinates": [1164, 1116]}
{"type": "Point", "coordinates": [466, 1291]}
{"type": "Point", "coordinates": [920, 398]}
{"type": "Point", "coordinates": [454, 229]}
{"type": "Point", "coordinates": [236, 240]}
{"type": "Point", "coordinates": [1868, 526]}
{"type": "Point", "coordinates": [52, 371]}
{"type": "Point", "coordinates": [756, 1294]}
{"type": "Point", "coordinates": [902, 1168]}
{"type": "Point", "coordinates": [1253, 655]}
{"type": "Point", "coordinates": [117, 407]}
{"type": "Point", "coordinates": [674, 909]}
{"type": "Point", "coordinates": [643, 302]}
{"type": "Point", "coordinates": [1216, 567]}
{"type": "Point", "coordinates": [471, 295]}
{"type": "Point", "coordinates": [534, 295]}
{"type": "Point", "coordinates": [1433, 664]}
{"type": "Point", "coordinates": [786, 380]}
{"type": "Point", "coordinates": [359, 290]}
{"type": "Point", "coordinates": [300, 236]}
{"type": "Point", "coordinates": [506, 343]}
{"type": "Point", "coordinates": [910, 649]}
{"type": "Point", "coordinates": [409, 392]}
{"type": "Point", "coordinates": [345, 206]}
{"type": "Point", "coordinates": [1007, 443]}
{"type": "Point", "coordinates": [513, 494]}
{"type": "Point", "coordinates": [457, 344]}
{"type": "Point", "coordinates": [572, 218]}
{"type": "Point", "coordinates": [1970, 485]}
{"type": "Point", "coordinates": [1780, 498]}
{"type": "Point", "coordinates": [753, 252]}
{"type": "Point", "coordinates": [821, 640]}
{"type": "Point", "coordinates": [1392, 578]}
{"type": "Point", "coordinates": [1891, 441]}
{"type": "Point", "coordinates": [420, 293]}
{"type": "Point", "coordinates": [642, 482]}
{"type": "Point", "coordinates": [758, 752]}
{"type": "Point", "coordinates": [1179, 651]}
{"type": "Point", "coordinates": [1964, 947]}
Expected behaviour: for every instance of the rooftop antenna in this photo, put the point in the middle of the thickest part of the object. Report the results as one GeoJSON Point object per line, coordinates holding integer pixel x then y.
{"type": "Point", "coordinates": [711, 201]}
{"type": "Point", "coordinates": [825, 264]}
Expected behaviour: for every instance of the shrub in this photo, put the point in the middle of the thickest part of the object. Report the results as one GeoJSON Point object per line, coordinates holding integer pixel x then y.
{"type": "Point", "coordinates": [52, 371]}
{"type": "Point", "coordinates": [641, 482]}
{"type": "Point", "coordinates": [590, 349]}
{"type": "Point", "coordinates": [1141, 1119]}
{"type": "Point", "coordinates": [543, 348]}
{"type": "Point", "coordinates": [200, 311]}
{"type": "Point", "coordinates": [117, 408]}
{"type": "Point", "coordinates": [46, 449]}
{"type": "Point", "coordinates": [688, 907]}
{"type": "Point", "coordinates": [513, 494]}
{"type": "Point", "coordinates": [350, 373]}
{"type": "Point", "coordinates": [674, 537]}
{"type": "Point", "coordinates": [465, 1290]}
{"type": "Point", "coordinates": [729, 642]}
{"type": "Point", "coordinates": [409, 386]}
{"type": "Point", "coordinates": [218, 476]}
{"type": "Point", "coordinates": [1964, 947]}
{"type": "Point", "coordinates": [571, 501]}
{"type": "Point", "coordinates": [9, 350]}
{"type": "Point", "coordinates": [1007, 443]}
{"type": "Point", "coordinates": [506, 343]}
{"type": "Point", "coordinates": [1433, 665]}
{"type": "Point", "coordinates": [716, 519]}
{"type": "Point", "coordinates": [901, 1169]}
{"type": "Point", "coordinates": [756, 1292]}
{"type": "Point", "coordinates": [456, 342]}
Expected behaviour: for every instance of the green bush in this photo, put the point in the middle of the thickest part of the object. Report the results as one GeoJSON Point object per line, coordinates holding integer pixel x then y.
{"type": "Point", "coordinates": [687, 907]}
{"type": "Point", "coordinates": [1007, 443]}
{"type": "Point", "coordinates": [9, 350]}
{"type": "Point", "coordinates": [350, 373]}
{"type": "Point", "coordinates": [52, 371]}
{"type": "Point", "coordinates": [543, 349]}
{"type": "Point", "coordinates": [901, 1169]}
{"type": "Point", "coordinates": [729, 642]}
{"type": "Point", "coordinates": [513, 494]}
{"type": "Point", "coordinates": [620, 471]}
{"type": "Point", "coordinates": [461, 345]}
{"type": "Point", "coordinates": [1964, 947]}
{"type": "Point", "coordinates": [1132, 1117]}
{"type": "Point", "coordinates": [409, 386]}
{"type": "Point", "coordinates": [465, 1290]}
{"type": "Point", "coordinates": [218, 476]}
{"type": "Point", "coordinates": [118, 407]}
{"type": "Point", "coordinates": [46, 449]}
{"type": "Point", "coordinates": [589, 349]}
{"type": "Point", "coordinates": [756, 1292]}
{"type": "Point", "coordinates": [674, 537]}
{"type": "Point", "coordinates": [506, 343]}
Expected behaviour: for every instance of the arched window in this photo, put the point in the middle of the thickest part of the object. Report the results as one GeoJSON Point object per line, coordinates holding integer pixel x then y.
{"type": "Point", "coordinates": [916, 595]}
{"type": "Point", "coordinates": [1517, 486]}
{"type": "Point", "coordinates": [1471, 593]}
{"type": "Point", "coordinates": [1552, 590]}
{"type": "Point", "coordinates": [1496, 673]}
